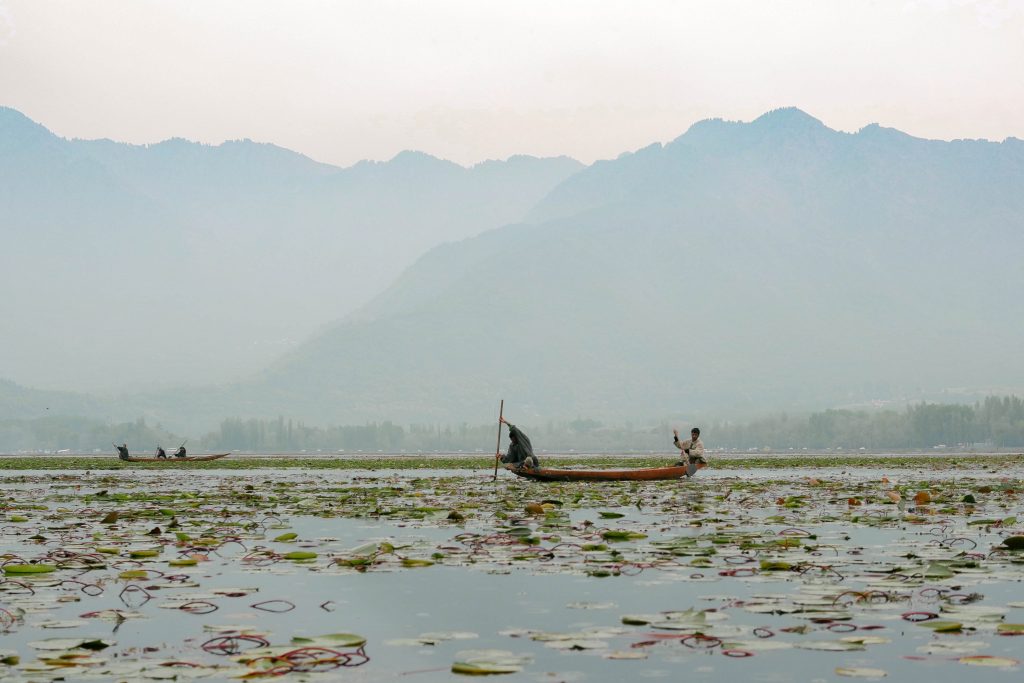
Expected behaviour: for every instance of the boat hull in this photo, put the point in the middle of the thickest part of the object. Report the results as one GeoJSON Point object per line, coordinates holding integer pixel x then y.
{"type": "Point", "coordinates": [646, 474]}
{"type": "Point", "coordinates": [187, 458]}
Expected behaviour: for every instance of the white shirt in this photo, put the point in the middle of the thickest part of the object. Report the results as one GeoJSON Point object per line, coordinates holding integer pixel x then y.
{"type": "Point", "coordinates": [696, 447]}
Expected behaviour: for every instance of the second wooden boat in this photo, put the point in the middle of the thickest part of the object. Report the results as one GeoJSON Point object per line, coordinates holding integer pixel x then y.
{"type": "Point", "coordinates": [187, 458]}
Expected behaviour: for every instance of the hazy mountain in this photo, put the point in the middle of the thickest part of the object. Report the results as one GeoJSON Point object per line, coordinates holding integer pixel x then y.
{"type": "Point", "coordinates": [127, 265]}
{"type": "Point", "coordinates": [776, 263]}
{"type": "Point", "coordinates": [19, 403]}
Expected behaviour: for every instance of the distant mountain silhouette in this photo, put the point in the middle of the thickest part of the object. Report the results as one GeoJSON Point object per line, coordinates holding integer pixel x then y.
{"type": "Point", "coordinates": [181, 262]}
{"type": "Point", "coordinates": [770, 264]}
{"type": "Point", "coordinates": [775, 264]}
{"type": "Point", "coordinates": [20, 403]}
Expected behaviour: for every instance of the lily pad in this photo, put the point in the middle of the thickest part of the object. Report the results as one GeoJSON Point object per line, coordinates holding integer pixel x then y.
{"type": "Point", "coordinates": [861, 672]}
{"type": "Point", "coordinates": [19, 569]}
{"type": "Point", "coordinates": [988, 660]}
{"type": "Point", "coordinates": [488, 662]}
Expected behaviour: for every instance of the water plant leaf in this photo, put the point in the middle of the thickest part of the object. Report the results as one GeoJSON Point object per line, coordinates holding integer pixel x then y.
{"type": "Point", "coordinates": [414, 562]}
{"type": "Point", "coordinates": [18, 569]}
{"type": "Point", "coordinates": [621, 535]}
{"type": "Point", "coordinates": [942, 626]}
{"type": "Point", "coordinates": [335, 640]}
{"type": "Point", "coordinates": [988, 660]}
{"type": "Point", "coordinates": [487, 662]}
{"type": "Point", "coordinates": [1014, 542]}
{"type": "Point", "coordinates": [296, 555]}
{"type": "Point", "coordinates": [860, 672]}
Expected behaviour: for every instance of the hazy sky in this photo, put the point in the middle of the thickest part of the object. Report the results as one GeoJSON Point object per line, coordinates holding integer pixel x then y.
{"type": "Point", "coordinates": [475, 79]}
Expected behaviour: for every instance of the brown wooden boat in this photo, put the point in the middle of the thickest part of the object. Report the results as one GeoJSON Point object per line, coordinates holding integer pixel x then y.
{"type": "Point", "coordinates": [644, 474]}
{"type": "Point", "coordinates": [187, 458]}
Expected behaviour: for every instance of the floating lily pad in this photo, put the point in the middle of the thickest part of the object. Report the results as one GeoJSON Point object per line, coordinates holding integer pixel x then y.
{"type": "Point", "coordinates": [18, 569]}
{"type": "Point", "coordinates": [300, 555]}
{"type": "Point", "coordinates": [55, 644]}
{"type": "Point", "coordinates": [988, 660]}
{"type": "Point", "coordinates": [487, 662]}
{"type": "Point", "coordinates": [336, 640]}
{"type": "Point", "coordinates": [861, 672]}
{"type": "Point", "coordinates": [1014, 542]}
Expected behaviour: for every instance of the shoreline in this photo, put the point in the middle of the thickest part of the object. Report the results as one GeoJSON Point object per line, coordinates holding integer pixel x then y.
{"type": "Point", "coordinates": [474, 462]}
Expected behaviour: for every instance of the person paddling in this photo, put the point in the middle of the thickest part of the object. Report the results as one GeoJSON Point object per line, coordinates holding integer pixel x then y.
{"type": "Point", "coordinates": [122, 451]}
{"type": "Point", "coordinates": [160, 452]}
{"type": "Point", "coordinates": [520, 450]}
{"type": "Point", "coordinates": [692, 448]}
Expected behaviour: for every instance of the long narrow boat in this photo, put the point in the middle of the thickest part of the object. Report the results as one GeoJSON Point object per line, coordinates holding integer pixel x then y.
{"type": "Point", "coordinates": [187, 458]}
{"type": "Point", "coordinates": [645, 474]}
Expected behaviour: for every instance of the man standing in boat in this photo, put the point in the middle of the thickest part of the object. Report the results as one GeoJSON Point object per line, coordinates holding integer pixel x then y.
{"type": "Point", "coordinates": [692, 448]}
{"type": "Point", "coordinates": [520, 450]}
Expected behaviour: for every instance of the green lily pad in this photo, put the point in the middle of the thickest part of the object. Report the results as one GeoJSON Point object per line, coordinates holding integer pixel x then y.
{"type": "Point", "coordinates": [300, 555]}
{"type": "Point", "coordinates": [18, 569]}
{"type": "Point", "coordinates": [860, 672]}
{"type": "Point", "coordinates": [942, 626]}
{"type": "Point", "coordinates": [988, 660]}
{"type": "Point", "coordinates": [621, 535]}
{"type": "Point", "coordinates": [1014, 542]}
{"type": "Point", "coordinates": [332, 640]}
{"type": "Point", "coordinates": [488, 662]}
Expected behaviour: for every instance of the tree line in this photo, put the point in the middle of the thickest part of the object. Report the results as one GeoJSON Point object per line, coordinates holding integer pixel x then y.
{"type": "Point", "coordinates": [995, 422]}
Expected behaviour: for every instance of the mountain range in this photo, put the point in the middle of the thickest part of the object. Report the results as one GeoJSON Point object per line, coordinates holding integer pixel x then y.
{"type": "Point", "coordinates": [774, 264]}
{"type": "Point", "coordinates": [134, 266]}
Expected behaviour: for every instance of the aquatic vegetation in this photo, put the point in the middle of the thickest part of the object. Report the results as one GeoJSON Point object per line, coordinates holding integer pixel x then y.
{"type": "Point", "coordinates": [299, 573]}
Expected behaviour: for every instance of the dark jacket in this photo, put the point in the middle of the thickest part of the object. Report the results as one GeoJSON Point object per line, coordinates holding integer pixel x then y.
{"type": "Point", "coordinates": [520, 450]}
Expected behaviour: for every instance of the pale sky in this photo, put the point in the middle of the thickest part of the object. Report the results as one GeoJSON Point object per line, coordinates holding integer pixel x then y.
{"type": "Point", "coordinates": [469, 80]}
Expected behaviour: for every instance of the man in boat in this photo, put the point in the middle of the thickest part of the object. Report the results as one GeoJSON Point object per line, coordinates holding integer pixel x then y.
{"type": "Point", "coordinates": [180, 453]}
{"type": "Point", "coordinates": [122, 451]}
{"type": "Point", "coordinates": [160, 452]}
{"type": "Point", "coordinates": [692, 448]}
{"type": "Point", "coordinates": [520, 450]}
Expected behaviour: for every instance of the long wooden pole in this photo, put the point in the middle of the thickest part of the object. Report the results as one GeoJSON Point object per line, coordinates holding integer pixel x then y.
{"type": "Point", "coordinates": [497, 449]}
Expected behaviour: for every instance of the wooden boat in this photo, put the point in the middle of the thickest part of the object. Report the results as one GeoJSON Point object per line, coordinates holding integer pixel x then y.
{"type": "Point", "coordinates": [187, 458]}
{"type": "Point", "coordinates": [645, 474]}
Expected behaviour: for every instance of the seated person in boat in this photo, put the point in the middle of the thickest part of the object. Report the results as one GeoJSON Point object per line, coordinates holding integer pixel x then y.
{"type": "Point", "coordinates": [520, 450]}
{"type": "Point", "coordinates": [180, 453]}
{"type": "Point", "coordinates": [160, 452]}
{"type": "Point", "coordinates": [122, 451]}
{"type": "Point", "coordinates": [692, 448]}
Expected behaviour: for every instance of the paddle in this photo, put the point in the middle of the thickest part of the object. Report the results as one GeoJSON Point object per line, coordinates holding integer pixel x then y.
{"type": "Point", "coordinates": [497, 449]}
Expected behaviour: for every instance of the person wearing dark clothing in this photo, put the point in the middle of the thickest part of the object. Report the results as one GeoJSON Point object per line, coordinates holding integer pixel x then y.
{"type": "Point", "coordinates": [160, 452]}
{"type": "Point", "coordinates": [180, 453]}
{"type": "Point", "coordinates": [520, 450]}
{"type": "Point", "coordinates": [122, 451]}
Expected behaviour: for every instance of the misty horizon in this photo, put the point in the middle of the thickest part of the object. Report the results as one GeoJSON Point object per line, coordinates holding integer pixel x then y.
{"type": "Point", "coordinates": [286, 185]}
{"type": "Point", "coordinates": [611, 211]}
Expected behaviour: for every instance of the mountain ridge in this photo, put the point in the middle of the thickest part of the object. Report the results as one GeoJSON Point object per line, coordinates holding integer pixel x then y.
{"type": "Point", "coordinates": [213, 258]}
{"type": "Point", "coordinates": [780, 264]}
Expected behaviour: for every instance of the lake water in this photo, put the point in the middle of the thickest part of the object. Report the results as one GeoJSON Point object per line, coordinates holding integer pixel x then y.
{"type": "Point", "coordinates": [761, 575]}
